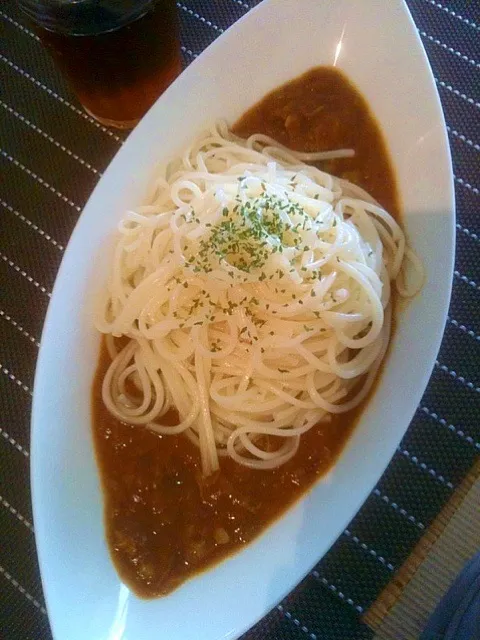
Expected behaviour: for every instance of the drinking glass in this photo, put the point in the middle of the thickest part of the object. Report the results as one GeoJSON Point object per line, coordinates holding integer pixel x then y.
{"type": "Point", "coordinates": [118, 55]}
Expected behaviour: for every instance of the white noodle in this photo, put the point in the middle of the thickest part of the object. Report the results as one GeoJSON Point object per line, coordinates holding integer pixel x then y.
{"type": "Point", "coordinates": [255, 293]}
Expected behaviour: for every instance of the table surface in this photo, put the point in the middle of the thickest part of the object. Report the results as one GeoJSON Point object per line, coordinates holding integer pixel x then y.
{"type": "Point", "coordinates": [51, 156]}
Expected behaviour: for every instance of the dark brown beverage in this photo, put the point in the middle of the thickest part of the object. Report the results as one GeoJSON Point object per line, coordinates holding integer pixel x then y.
{"type": "Point", "coordinates": [117, 72]}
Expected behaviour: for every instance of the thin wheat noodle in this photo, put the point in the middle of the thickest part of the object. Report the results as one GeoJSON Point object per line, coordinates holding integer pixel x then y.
{"type": "Point", "coordinates": [253, 295]}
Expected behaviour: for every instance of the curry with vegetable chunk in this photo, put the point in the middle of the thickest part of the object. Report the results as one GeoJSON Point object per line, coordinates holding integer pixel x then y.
{"type": "Point", "coordinates": [165, 521]}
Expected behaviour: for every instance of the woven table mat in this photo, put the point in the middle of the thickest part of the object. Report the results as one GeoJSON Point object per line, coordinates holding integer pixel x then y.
{"type": "Point", "coordinates": [407, 602]}
{"type": "Point", "coordinates": [51, 156]}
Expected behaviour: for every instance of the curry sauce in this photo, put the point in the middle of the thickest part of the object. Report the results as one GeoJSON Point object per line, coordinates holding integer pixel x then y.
{"type": "Point", "coordinates": [164, 521]}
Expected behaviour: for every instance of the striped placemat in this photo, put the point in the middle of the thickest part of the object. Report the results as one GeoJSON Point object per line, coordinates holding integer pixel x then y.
{"type": "Point", "coordinates": [51, 156]}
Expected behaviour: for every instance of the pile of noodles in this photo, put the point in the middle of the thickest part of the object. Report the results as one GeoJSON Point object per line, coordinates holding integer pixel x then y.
{"type": "Point", "coordinates": [254, 291]}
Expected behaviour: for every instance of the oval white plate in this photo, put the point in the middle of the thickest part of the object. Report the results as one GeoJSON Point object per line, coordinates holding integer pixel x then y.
{"type": "Point", "coordinates": [376, 43]}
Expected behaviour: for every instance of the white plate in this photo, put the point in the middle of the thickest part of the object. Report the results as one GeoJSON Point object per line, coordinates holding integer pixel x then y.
{"type": "Point", "coordinates": [376, 43]}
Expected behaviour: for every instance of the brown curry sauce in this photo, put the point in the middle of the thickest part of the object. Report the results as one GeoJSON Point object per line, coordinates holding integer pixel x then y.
{"type": "Point", "coordinates": [164, 522]}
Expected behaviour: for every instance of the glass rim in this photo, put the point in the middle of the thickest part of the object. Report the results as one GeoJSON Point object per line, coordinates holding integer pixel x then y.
{"type": "Point", "coordinates": [84, 17]}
